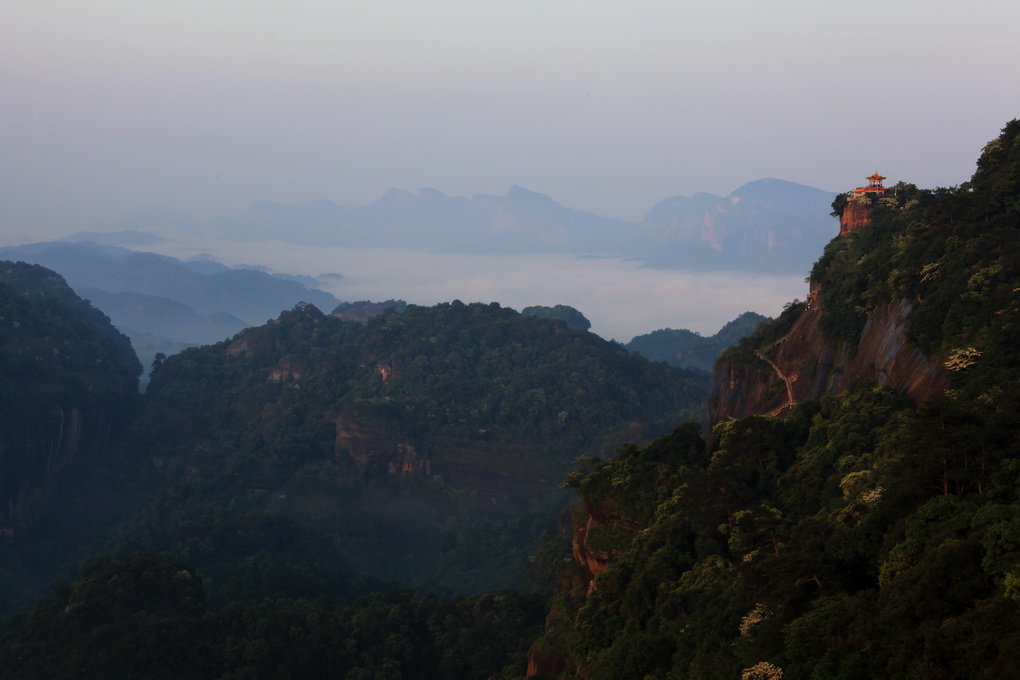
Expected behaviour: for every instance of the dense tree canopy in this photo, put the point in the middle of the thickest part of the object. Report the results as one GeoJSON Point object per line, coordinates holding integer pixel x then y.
{"type": "Point", "coordinates": [687, 349]}
{"type": "Point", "coordinates": [145, 616]}
{"type": "Point", "coordinates": [428, 443]}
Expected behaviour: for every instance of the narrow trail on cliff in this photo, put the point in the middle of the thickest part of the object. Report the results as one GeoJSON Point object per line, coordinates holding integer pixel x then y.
{"type": "Point", "coordinates": [788, 380]}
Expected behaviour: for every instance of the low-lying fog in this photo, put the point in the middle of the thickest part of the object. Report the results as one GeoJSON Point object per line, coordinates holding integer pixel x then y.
{"type": "Point", "coordinates": [619, 298]}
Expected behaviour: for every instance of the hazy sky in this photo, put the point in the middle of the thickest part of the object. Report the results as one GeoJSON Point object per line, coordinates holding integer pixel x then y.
{"type": "Point", "coordinates": [203, 106]}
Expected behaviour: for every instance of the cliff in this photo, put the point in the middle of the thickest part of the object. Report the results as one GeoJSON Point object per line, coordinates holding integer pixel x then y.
{"type": "Point", "coordinates": [35, 454]}
{"type": "Point", "coordinates": [857, 321]}
{"type": "Point", "coordinates": [68, 379]}
{"type": "Point", "coordinates": [805, 364]}
{"type": "Point", "coordinates": [856, 215]}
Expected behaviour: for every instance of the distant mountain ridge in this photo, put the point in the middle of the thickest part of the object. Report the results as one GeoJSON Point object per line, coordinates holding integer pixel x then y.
{"type": "Point", "coordinates": [769, 225]}
{"type": "Point", "coordinates": [765, 226]}
{"type": "Point", "coordinates": [164, 304]}
{"type": "Point", "coordinates": [523, 221]}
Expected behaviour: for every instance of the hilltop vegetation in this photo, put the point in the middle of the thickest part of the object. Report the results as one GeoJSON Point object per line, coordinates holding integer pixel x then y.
{"type": "Point", "coordinates": [564, 313]}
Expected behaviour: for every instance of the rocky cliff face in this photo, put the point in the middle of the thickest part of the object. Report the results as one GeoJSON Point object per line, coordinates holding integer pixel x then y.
{"type": "Point", "coordinates": [856, 215]}
{"type": "Point", "coordinates": [595, 555]}
{"type": "Point", "coordinates": [67, 380]}
{"type": "Point", "coordinates": [367, 443]}
{"type": "Point", "coordinates": [804, 365]}
{"type": "Point", "coordinates": [33, 455]}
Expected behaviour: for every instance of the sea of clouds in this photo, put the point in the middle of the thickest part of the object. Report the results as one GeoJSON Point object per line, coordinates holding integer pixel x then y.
{"type": "Point", "coordinates": [620, 298]}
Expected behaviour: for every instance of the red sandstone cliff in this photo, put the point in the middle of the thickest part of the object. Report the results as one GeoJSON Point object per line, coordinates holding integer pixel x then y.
{"type": "Point", "coordinates": [856, 214]}
{"type": "Point", "coordinates": [547, 660]}
{"type": "Point", "coordinates": [804, 365]}
{"type": "Point", "coordinates": [596, 559]}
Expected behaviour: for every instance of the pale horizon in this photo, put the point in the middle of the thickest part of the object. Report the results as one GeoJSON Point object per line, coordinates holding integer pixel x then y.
{"type": "Point", "coordinates": [113, 106]}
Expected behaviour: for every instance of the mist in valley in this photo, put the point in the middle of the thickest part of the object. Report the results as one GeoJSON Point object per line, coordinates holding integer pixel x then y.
{"type": "Point", "coordinates": [618, 296]}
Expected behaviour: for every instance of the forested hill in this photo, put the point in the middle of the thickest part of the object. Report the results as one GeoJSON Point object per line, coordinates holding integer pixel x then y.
{"type": "Point", "coordinates": [68, 379]}
{"type": "Point", "coordinates": [863, 533]}
{"type": "Point", "coordinates": [276, 489]}
{"type": "Point", "coordinates": [687, 349]}
{"type": "Point", "coordinates": [395, 437]}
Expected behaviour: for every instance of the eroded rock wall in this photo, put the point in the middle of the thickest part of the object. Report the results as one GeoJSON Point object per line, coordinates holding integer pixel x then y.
{"type": "Point", "coordinates": [856, 214]}
{"type": "Point", "coordinates": [33, 454]}
{"type": "Point", "coordinates": [815, 366]}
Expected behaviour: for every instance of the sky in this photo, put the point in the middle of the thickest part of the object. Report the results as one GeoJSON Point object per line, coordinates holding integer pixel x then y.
{"type": "Point", "coordinates": [110, 106]}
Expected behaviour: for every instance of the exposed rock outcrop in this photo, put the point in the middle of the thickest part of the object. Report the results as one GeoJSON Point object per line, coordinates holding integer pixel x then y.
{"type": "Point", "coordinates": [596, 556]}
{"type": "Point", "coordinates": [595, 561]}
{"type": "Point", "coordinates": [807, 365]}
{"type": "Point", "coordinates": [366, 443]}
{"type": "Point", "coordinates": [286, 369]}
{"type": "Point", "coordinates": [542, 664]}
{"type": "Point", "coordinates": [856, 214]}
{"type": "Point", "coordinates": [253, 341]}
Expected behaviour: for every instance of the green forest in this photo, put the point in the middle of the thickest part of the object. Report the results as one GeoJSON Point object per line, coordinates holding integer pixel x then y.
{"type": "Point", "coordinates": [462, 491]}
{"type": "Point", "coordinates": [406, 467]}
{"type": "Point", "coordinates": [860, 535]}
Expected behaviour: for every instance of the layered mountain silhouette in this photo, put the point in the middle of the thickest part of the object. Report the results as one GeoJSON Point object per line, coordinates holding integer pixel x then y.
{"type": "Point", "coordinates": [164, 304]}
{"type": "Point", "coordinates": [766, 226]}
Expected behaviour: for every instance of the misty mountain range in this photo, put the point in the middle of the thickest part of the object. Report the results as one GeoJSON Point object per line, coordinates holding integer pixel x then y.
{"type": "Point", "coordinates": [164, 304]}
{"type": "Point", "coordinates": [766, 226]}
